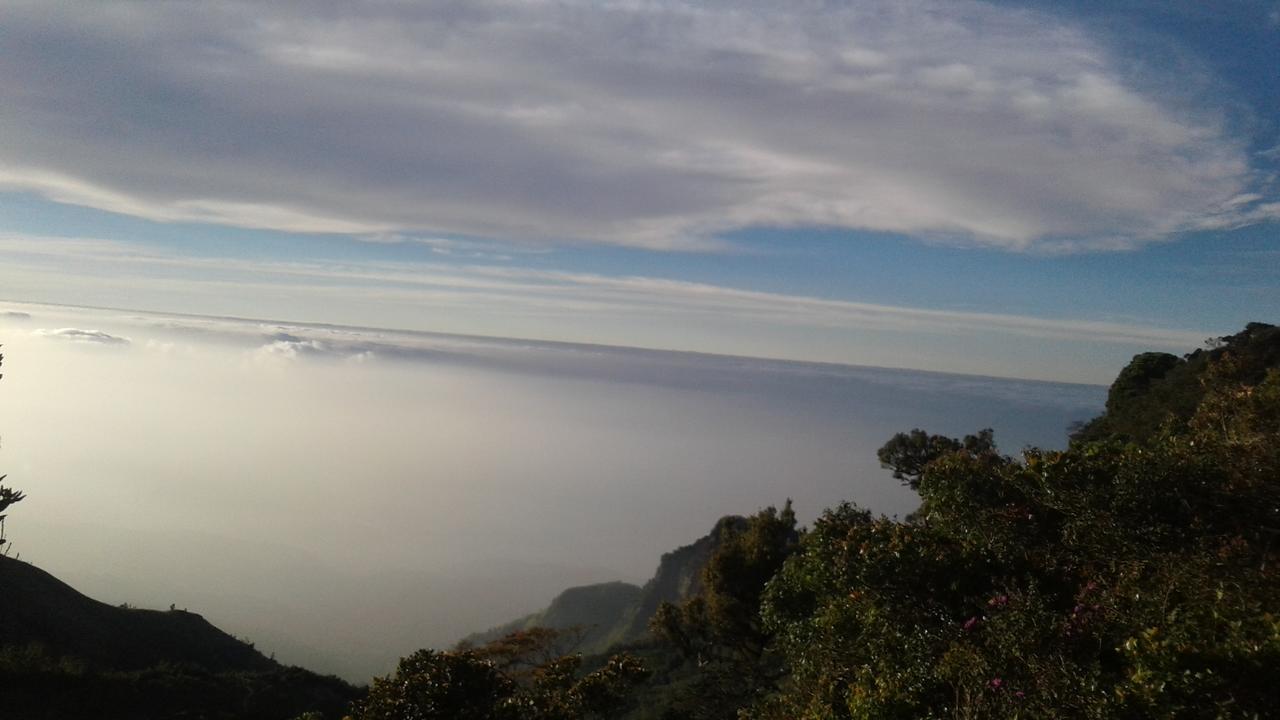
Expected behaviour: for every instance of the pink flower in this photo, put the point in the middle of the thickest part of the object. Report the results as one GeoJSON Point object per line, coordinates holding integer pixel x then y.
{"type": "Point", "coordinates": [971, 623]}
{"type": "Point", "coordinates": [996, 683]}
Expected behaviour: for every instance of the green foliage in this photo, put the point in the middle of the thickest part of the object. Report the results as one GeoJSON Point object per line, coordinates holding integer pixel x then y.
{"type": "Point", "coordinates": [516, 677]}
{"type": "Point", "coordinates": [1109, 580]}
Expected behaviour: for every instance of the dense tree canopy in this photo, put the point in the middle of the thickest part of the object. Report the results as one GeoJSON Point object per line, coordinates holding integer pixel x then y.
{"type": "Point", "coordinates": [1110, 580]}
{"type": "Point", "coordinates": [518, 677]}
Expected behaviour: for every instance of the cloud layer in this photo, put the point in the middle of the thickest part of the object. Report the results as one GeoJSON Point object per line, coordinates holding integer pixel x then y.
{"type": "Point", "coordinates": [656, 124]}
{"type": "Point", "coordinates": [444, 485]}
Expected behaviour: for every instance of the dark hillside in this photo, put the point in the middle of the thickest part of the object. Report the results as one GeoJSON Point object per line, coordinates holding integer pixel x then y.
{"type": "Point", "coordinates": [65, 655]}
{"type": "Point", "coordinates": [40, 609]}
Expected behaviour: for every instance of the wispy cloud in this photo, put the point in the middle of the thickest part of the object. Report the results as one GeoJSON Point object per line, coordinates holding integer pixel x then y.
{"type": "Point", "coordinates": [657, 124]}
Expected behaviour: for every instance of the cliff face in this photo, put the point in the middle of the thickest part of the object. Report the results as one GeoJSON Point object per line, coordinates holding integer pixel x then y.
{"type": "Point", "coordinates": [679, 576]}
{"type": "Point", "coordinates": [617, 612]}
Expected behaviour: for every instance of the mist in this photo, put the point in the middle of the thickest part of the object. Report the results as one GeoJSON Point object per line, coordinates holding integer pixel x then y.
{"type": "Point", "coordinates": [343, 496]}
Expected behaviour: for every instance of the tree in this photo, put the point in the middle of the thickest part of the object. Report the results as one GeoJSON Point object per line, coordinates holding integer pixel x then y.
{"type": "Point", "coordinates": [8, 496]}
{"type": "Point", "coordinates": [907, 454]}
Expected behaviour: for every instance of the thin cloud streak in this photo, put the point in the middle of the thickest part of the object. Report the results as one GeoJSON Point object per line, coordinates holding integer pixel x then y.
{"type": "Point", "coordinates": [521, 290]}
{"type": "Point", "coordinates": [659, 124]}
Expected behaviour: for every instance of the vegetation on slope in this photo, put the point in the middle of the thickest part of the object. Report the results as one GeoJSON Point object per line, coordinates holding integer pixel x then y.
{"type": "Point", "coordinates": [1106, 581]}
{"type": "Point", "coordinates": [1132, 575]}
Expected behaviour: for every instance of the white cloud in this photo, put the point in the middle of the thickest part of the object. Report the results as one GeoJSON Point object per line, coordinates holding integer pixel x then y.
{"type": "Point", "coordinates": [287, 347]}
{"type": "Point", "coordinates": [76, 335]}
{"type": "Point", "coordinates": [659, 124]}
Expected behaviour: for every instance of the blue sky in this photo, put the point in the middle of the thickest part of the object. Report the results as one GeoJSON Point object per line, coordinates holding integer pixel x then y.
{"type": "Point", "coordinates": [1023, 189]}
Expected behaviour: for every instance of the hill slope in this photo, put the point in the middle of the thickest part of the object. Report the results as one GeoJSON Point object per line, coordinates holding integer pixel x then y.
{"type": "Point", "coordinates": [65, 655]}
{"type": "Point", "coordinates": [40, 609]}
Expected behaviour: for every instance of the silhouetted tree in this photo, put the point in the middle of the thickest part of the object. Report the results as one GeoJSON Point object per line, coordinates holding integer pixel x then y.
{"type": "Point", "coordinates": [907, 454]}
{"type": "Point", "coordinates": [8, 496]}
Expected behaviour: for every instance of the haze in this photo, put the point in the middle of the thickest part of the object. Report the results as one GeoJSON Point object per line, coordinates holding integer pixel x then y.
{"type": "Point", "coordinates": [352, 495]}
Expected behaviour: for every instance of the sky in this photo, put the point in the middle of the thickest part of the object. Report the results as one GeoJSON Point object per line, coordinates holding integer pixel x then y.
{"type": "Point", "coordinates": [1019, 189]}
{"type": "Point", "coordinates": [343, 496]}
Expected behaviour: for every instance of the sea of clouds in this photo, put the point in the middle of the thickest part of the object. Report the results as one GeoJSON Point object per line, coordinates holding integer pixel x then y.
{"type": "Point", "coordinates": [343, 496]}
